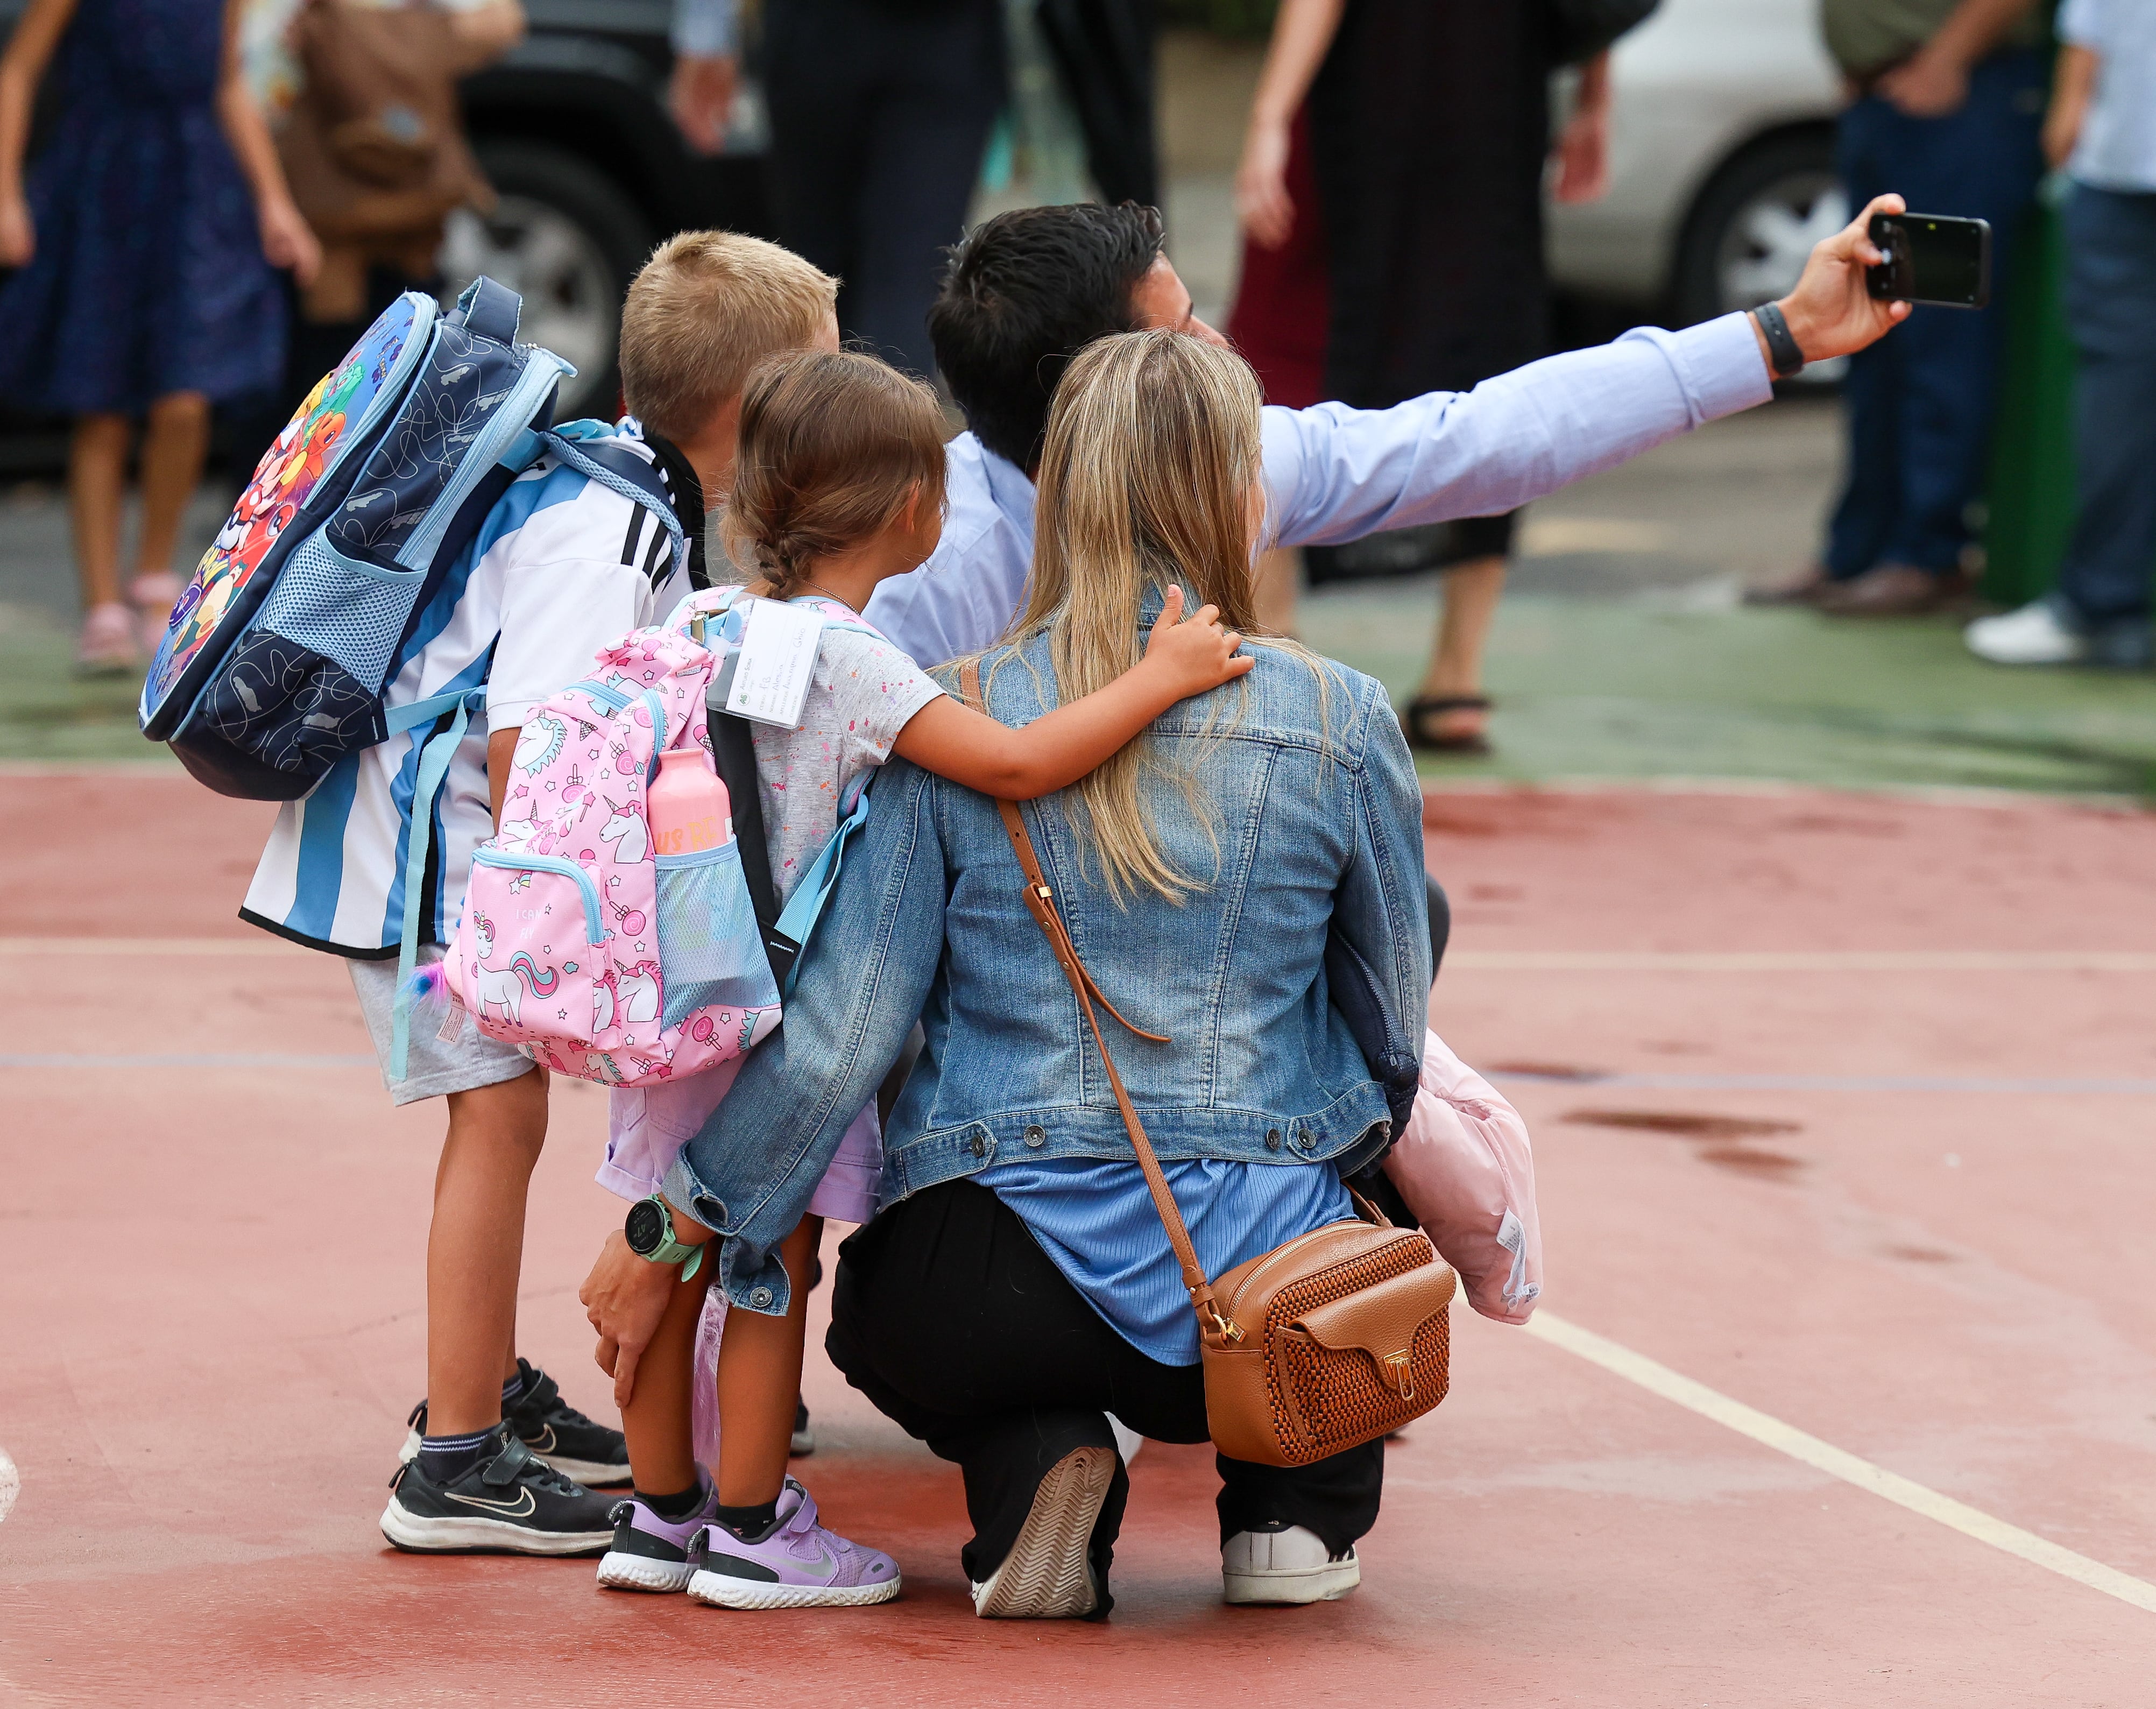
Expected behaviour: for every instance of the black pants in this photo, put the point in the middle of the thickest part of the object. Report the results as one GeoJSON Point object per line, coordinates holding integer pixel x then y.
{"type": "Point", "coordinates": [879, 117]}
{"type": "Point", "coordinates": [949, 1316]}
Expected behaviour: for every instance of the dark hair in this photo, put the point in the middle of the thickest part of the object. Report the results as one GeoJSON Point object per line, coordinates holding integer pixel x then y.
{"type": "Point", "coordinates": [832, 444]}
{"type": "Point", "coordinates": [1026, 291]}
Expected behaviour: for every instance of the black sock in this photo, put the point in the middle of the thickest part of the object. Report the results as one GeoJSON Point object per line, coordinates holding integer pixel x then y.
{"type": "Point", "coordinates": [677, 1507]}
{"type": "Point", "coordinates": [749, 1524]}
{"type": "Point", "coordinates": [518, 1386]}
{"type": "Point", "coordinates": [444, 1458]}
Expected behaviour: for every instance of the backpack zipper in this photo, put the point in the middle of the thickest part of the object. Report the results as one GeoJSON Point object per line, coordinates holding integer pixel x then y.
{"type": "Point", "coordinates": [594, 934]}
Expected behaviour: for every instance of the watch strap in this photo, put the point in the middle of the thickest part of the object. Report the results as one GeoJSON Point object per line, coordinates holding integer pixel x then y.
{"type": "Point", "coordinates": [1786, 357]}
{"type": "Point", "coordinates": [670, 1250]}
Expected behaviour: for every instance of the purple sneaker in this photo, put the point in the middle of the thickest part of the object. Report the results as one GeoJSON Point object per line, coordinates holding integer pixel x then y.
{"type": "Point", "coordinates": [649, 1553]}
{"type": "Point", "coordinates": [797, 1563]}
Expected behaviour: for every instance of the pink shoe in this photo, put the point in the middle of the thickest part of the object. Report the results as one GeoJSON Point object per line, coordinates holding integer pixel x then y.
{"type": "Point", "coordinates": [107, 642]}
{"type": "Point", "coordinates": [651, 1553]}
{"type": "Point", "coordinates": [797, 1563]}
{"type": "Point", "coordinates": [153, 597]}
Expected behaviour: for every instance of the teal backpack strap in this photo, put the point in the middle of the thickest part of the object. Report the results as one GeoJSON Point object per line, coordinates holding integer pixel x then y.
{"type": "Point", "coordinates": [575, 456]}
{"type": "Point", "coordinates": [806, 905]}
{"type": "Point", "coordinates": [434, 759]}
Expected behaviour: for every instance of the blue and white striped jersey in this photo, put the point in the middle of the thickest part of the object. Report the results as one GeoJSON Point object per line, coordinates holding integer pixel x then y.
{"type": "Point", "coordinates": [562, 566]}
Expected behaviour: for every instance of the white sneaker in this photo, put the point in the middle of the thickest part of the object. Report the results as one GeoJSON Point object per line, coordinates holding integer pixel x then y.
{"type": "Point", "coordinates": [2033, 635]}
{"type": "Point", "coordinates": [1289, 1566]}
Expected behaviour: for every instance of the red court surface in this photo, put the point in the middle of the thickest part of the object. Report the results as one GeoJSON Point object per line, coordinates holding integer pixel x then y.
{"type": "Point", "coordinates": [1912, 1225]}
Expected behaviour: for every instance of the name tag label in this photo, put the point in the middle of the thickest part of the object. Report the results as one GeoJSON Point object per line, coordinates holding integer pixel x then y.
{"type": "Point", "coordinates": [776, 658]}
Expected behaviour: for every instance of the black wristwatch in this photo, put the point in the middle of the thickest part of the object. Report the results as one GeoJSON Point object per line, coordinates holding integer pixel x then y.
{"type": "Point", "coordinates": [1782, 349]}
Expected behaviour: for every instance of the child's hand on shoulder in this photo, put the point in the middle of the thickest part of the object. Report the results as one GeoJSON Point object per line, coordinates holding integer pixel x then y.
{"type": "Point", "coordinates": [1194, 654]}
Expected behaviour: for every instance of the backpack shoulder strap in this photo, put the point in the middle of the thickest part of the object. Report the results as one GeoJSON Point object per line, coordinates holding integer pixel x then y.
{"type": "Point", "coordinates": [836, 616]}
{"type": "Point", "coordinates": [734, 753]}
{"type": "Point", "coordinates": [620, 471]}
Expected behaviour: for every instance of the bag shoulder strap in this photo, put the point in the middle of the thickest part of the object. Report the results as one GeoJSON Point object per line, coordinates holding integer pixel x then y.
{"type": "Point", "coordinates": [1040, 903]}
{"type": "Point", "coordinates": [733, 752]}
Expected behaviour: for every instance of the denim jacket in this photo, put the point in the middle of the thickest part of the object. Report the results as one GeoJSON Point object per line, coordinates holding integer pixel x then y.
{"type": "Point", "coordinates": [1298, 816]}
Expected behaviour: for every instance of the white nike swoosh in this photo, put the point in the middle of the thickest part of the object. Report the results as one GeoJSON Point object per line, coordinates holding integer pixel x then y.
{"type": "Point", "coordinates": [545, 1445]}
{"type": "Point", "coordinates": [522, 1508]}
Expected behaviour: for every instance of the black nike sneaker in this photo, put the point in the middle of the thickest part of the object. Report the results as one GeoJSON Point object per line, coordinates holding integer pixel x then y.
{"type": "Point", "coordinates": [803, 1439]}
{"type": "Point", "coordinates": [510, 1503]}
{"type": "Point", "coordinates": [574, 1446]}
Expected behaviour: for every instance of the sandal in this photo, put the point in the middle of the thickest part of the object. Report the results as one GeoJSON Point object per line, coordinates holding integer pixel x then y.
{"type": "Point", "coordinates": [153, 596]}
{"type": "Point", "coordinates": [106, 645]}
{"type": "Point", "coordinates": [1418, 717]}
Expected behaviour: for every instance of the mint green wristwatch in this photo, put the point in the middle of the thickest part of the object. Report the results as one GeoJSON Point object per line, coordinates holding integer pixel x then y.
{"type": "Point", "coordinates": [650, 1232]}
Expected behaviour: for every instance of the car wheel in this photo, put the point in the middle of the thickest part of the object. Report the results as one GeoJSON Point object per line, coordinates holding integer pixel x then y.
{"type": "Point", "coordinates": [564, 238]}
{"type": "Point", "coordinates": [1753, 230]}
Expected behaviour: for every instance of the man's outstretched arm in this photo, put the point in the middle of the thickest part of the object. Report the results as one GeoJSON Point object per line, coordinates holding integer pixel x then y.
{"type": "Point", "coordinates": [1337, 474]}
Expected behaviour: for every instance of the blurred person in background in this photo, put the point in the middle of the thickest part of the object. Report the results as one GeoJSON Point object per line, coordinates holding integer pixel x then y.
{"type": "Point", "coordinates": [1946, 99]}
{"type": "Point", "coordinates": [1428, 132]}
{"type": "Point", "coordinates": [881, 111]}
{"type": "Point", "coordinates": [372, 143]}
{"type": "Point", "coordinates": [144, 234]}
{"type": "Point", "coordinates": [2101, 131]}
{"type": "Point", "coordinates": [706, 67]}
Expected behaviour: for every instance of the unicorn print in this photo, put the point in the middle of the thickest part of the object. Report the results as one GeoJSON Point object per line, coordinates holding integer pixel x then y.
{"type": "Point", "coordinates": [503, 987]}
{"type": "Point", "coordinates": [626, 829]}
{"type": "Point", "coordinates": [540, 740]}
{"type": "Point", "coordinates": [639, 986]}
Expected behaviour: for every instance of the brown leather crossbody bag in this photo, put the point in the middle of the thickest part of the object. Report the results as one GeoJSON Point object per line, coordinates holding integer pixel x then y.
{"type": "Point", "coordinates": [1335, 1338]}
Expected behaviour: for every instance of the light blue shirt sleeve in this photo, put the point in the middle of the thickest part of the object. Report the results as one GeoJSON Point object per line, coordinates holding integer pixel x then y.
{"type": "Point", "coordinates": [1336, 473]}
{"type": "Point", "coordinates": [704, 29]}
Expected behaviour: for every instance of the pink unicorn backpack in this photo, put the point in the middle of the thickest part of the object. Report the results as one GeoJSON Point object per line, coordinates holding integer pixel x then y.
{"type": "Point", "coordinates": [601, 957]}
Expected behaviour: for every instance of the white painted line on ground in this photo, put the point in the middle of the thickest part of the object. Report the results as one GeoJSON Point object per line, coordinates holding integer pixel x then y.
{"type": "Point", "coordinates": [1826, 1083]}
{"type": "Point", "coordinates": [11, 1483]}
{"type": "Point", "coordinates": [54, 1059]}
{"type": "Point", "coordinates": [1826, 961]}
{"type": "Point", "coordinates": [1839, 1462]}
{"type": "Point", "coordinates": [75, 948]}
{"type": "Point", "coordinates": [1435, 789]}
{"type": "Point", "coordinates": [1481, 961]}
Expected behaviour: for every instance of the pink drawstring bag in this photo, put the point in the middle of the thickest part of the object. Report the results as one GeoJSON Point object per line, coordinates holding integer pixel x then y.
{"type": "Point", "coordinates": [1465, 1168]}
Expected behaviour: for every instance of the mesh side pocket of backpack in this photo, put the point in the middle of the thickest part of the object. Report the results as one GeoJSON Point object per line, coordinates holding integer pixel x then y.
{"type": "Point", "coordinates": [343, 608]}
{"type": "Point", "coordinates": [710, 953]}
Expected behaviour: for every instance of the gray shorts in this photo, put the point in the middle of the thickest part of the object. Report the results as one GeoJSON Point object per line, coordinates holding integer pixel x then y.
{"type": "Point", "coordinates": [433, 1065]}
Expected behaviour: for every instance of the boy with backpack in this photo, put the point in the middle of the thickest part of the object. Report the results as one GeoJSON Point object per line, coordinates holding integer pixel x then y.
{"type": "Point", "coordinates": [576, 551]}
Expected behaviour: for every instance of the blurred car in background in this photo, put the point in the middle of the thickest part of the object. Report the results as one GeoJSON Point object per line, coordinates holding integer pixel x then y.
{"type": "Point", "coordinates": [573, 129]}
{"type": "Point", "coordinates": [1721, 164]}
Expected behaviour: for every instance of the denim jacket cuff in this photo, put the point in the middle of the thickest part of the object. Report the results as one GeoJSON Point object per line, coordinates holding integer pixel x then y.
{"type": "Point", "coordinates": [685, 1192]}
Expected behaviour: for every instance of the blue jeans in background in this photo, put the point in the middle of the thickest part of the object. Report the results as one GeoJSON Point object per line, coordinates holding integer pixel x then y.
{"type": "Point", "coordinates": [1919, 402]}
{"type": "Point", "coordinates": [2111, 308]}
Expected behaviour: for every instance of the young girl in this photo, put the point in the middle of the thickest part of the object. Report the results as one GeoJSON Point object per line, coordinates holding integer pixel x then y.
{"type": "Point", "coordinates": [839, 485]}
{"type": "Point", "coordinates": [145, 236]}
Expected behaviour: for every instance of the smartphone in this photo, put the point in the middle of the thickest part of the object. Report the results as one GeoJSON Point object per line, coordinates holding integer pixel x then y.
{"type": "Point", "coordinates": [1932, 258]}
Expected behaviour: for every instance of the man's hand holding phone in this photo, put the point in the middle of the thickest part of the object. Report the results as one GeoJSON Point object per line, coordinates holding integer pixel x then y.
{"type": "Point", "coordinates": [1832, 311]}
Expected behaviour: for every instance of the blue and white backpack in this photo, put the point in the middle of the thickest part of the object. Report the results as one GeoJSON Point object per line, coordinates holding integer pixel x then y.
{"type": "Point", "coordinates": [274, 666]}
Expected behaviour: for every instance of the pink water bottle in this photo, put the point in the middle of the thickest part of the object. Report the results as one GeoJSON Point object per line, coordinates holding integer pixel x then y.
{"type": "Point", "coordinates": [687, 804]}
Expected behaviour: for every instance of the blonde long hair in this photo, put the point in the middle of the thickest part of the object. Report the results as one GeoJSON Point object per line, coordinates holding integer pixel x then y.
{"type": "Point", "coordinates": [1151, 454]}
